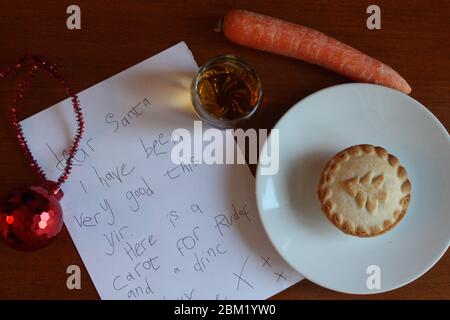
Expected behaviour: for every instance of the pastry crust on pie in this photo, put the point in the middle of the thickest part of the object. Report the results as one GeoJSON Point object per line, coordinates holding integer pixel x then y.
{"type": "Point", "coordinates": [364, 191]}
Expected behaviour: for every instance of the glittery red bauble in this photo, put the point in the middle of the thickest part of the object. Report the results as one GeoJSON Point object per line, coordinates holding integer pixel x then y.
{"type": "Point", "coordinates": [30, 218]}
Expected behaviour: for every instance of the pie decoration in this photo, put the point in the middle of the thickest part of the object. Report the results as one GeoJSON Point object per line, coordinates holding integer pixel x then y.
{"type": "Point", "coordinates": [364, 191]}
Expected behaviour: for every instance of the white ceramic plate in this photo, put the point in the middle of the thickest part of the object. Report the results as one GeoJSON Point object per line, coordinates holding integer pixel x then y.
{"type": "Point", "coordinates": [314, 130]}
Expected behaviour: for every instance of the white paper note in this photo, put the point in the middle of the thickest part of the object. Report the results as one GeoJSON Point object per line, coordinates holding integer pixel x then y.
{"type": "Point", "coordinates": [144, 227]}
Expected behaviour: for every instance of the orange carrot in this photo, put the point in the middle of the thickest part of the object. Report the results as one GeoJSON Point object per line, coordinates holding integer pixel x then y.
{"type": "Point", "coordinates": [282, 37]}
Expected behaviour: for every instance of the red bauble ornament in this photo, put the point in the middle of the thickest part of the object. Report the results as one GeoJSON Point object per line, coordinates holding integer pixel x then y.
{"type": "Point", "coordinates": [30, 218]}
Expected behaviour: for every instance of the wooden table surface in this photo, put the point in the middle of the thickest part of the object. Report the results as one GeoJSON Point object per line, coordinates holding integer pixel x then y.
{"type": "Point", "coordinates": [414, 39]}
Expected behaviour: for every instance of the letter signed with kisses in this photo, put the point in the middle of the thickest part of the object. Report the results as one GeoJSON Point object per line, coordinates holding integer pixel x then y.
{"type": "Point", "coordinates": [145, 227]}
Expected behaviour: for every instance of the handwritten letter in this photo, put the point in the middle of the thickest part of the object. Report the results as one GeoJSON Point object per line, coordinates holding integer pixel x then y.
{"type": "Point", "coordinates": [145, 227]}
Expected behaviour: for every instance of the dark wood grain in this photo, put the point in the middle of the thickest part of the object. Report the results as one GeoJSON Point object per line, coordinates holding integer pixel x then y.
{"type": "Point", "coordinates": [414, 39]}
